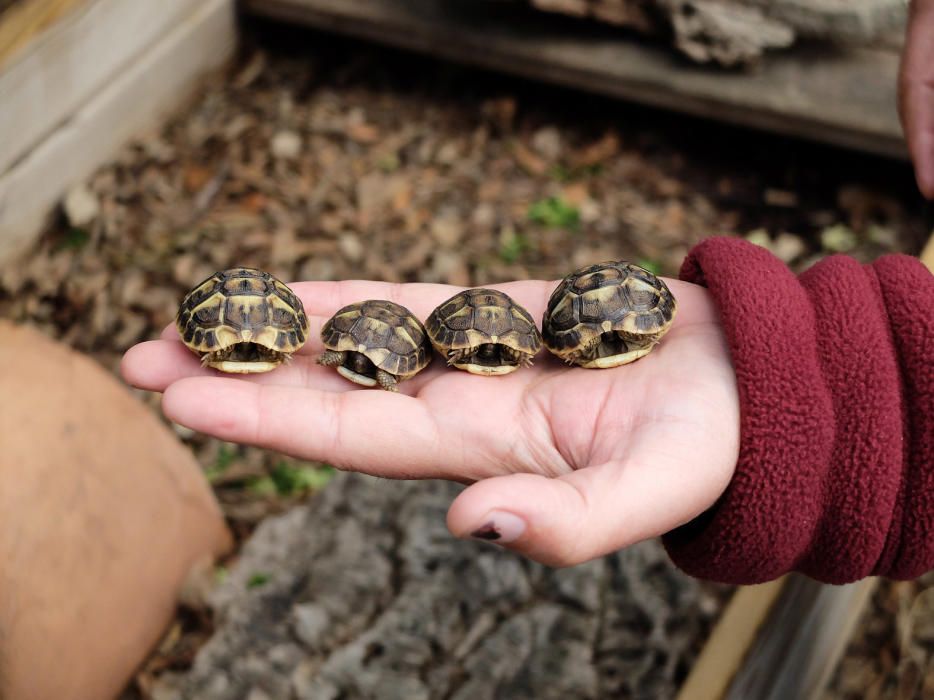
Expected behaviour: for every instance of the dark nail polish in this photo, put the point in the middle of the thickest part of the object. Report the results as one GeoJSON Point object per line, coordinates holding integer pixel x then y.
{"type": "Point", "coordinates": [487, 532]}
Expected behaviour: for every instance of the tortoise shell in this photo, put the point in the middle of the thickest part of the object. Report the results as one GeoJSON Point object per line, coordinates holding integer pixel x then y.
{"type": "Point", "coordinates": [375, 342]}
{"type": "Point", "coordinates": [242, 320]}
{"type": "Point", "coordinates": [607, 315]}
{"type": "Point", "coordinates": [483, 331]}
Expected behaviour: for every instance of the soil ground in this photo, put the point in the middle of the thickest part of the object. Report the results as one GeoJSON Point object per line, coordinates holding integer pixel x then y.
{"type": "Point", "coordinates": [319, 158]}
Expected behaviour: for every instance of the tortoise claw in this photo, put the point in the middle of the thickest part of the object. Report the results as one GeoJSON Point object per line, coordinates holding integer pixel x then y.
{"type": "Point", "coordinates": [387, 381]}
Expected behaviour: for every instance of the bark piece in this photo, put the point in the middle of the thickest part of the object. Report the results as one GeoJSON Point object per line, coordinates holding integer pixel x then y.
{"type": "Point", "coordinates": [724, 32]}
{"type": "Point", "coordinates": [736, 32]}
{"type": "Point", "coordinates": [363, 593]}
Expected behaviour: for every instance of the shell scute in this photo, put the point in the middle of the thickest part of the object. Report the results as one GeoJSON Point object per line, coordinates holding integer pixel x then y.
{"type": "Point", "coordinates": [207, 316]}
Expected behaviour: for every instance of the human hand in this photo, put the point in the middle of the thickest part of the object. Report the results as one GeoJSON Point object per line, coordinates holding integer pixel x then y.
{"type": "Point", "coordinates": [916, 92]}
{"type": "Point", "coordinates": [565, 464]}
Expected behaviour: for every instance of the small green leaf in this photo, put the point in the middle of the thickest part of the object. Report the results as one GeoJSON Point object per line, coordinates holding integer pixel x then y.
{"type": "Point", "coordinates": [76, 238]}
{"type": "Point", "coordinates": [512, 246]}
{"type": "Point", "coordinates": [286, 479]}
{"type": "Point", "coordinates": [290, 479]}
{"type": "Point", "coordinates": [554, 212]}
{"type": "Point", "coordinates": [226, 455]}
{"type": "Point", "coordinates": [560, 173]}
{"type": "Point", "coordinates": [650, 265]}
{"type": "Point", "coordinates": [389, 162]}
{"type": "Point", "coordinates": [260, 578]}
{"type": "Point", "coordinates": [262, 486]}
{"type": "Point", "coordinates": [220, 574]}
{"type": "Point", "coordinates": [838, 239]}
{"type": "Point", "coordinates": [760, 237]}
{"type": "Point", "coordinates": [318, 477]}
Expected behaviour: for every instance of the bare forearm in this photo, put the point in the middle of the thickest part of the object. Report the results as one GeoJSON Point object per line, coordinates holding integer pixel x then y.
{"type": "Point", "coordinates": [916, 92]}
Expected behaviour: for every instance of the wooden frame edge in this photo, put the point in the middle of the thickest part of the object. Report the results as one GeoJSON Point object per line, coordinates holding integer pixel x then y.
{"type": "Point", "coordinates": [728, 644]}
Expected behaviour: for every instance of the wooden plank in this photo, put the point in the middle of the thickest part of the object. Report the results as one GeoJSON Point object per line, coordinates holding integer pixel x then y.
{"type": "Point", "coordinates": [61, 68]}
{"type": "Point", "coordinates": [25, 20]}
{"type": "Point", "coordinates": [808, 630]}
{"type": "Point", "coordinates": [927, 255]}
{"type": "Point", "coordinates": [843, 97]}
{"type": "Point", "coordinates": [137, 97]}
{"type": "Point", "coordinates": [728, 644]}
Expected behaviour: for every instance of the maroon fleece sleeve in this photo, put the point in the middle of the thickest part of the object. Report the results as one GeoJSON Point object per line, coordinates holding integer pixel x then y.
{"type": "Point", "coordinates": [835, 371]}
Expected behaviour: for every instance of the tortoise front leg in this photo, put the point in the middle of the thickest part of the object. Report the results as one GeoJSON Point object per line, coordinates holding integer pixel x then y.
{"type": "Point", "coordinates": [455, 356]}
{"type": "Point", "coordinates": [386, 380]}
{"type": "Point", "coordinates": [332, 358]}
{"type": "Point", "coordinates": [584, 354]}
{"type": "Point", "coordinates": [515, 357]}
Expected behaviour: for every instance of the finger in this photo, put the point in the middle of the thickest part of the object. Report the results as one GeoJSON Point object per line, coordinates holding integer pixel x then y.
{"type": "Point", "coordinates": [916, 93]}
{"type": "Point", "coordinates": [156, 364]}
{"type": "Point", "coordinates": [381, 433]}
{"type": "Point", "coordinates": [591, 512]}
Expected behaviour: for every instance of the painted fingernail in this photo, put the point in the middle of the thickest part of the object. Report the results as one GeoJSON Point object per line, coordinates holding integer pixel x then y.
{"type": "Point", "coordinates": [500, 527]}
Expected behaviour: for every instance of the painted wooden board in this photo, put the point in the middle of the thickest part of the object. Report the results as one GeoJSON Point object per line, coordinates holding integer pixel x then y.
{"type": "Point", "coordinates": [25, 19]}
{"type": "Point", "coordinates": [726, 648]}
{"type": "Point", "coordinates": [927, 255]}
{"type": "Point", "coordinates": [807, 632]}
{"type": "Point", "coordinates": [843, 97]}
{"type": "Point", "coordinates": [43, 83]}
{"type": "Point", "coordinates": [134, 99]}
{"type": "Point", "coordinates": [778, 640]}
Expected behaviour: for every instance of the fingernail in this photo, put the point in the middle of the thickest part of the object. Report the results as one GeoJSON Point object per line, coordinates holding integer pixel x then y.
{"type": "Point", "coordinates": [500, 527]}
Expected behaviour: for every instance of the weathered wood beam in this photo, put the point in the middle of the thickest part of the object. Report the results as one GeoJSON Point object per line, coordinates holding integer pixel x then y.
{"type": "Point", "coordinates": [807, 632]}
{"type": "Point", "coordinates": [24, 20]}
{"type": "Point", "coordinates": [43, 82]}
{"type": "Point", "coordinates": [927, 255]}
{"type": "Point", "coordinates": [726, 648]}
{"type": "Point", "coordinates": [142, 91]}
{"type": "Point", "coordinates": [837, 96]}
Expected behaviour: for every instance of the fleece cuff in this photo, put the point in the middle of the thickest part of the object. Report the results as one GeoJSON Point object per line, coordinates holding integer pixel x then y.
{"type": "Point", "coordinates": [834, 370]}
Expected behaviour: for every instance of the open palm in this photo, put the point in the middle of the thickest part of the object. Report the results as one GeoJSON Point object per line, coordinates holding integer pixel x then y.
{"type": "Point", "coordinates": [566, 464]}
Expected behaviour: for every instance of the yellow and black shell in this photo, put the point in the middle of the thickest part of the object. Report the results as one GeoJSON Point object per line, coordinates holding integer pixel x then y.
{"type": "Point", "coordinates": [375, 342]}
{"type": "Point", "coordinates": [607, 315]}
{"type": "Point", "coordinates": [483, 331]}
{"type": "Point", "coordinates": [242, 320]}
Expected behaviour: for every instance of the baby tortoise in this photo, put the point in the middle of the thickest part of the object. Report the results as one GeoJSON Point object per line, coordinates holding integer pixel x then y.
{"type": "Point", "coordinates": [607, 315]}
{"type": "Point", "coordinates": [242, 321]}
{"type": "Point", "coordinates": [375, 342]}
{"type": "Point", "coordinates": [485, 332]}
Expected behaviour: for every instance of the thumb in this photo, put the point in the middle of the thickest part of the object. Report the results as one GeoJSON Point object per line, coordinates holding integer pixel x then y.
{"type": "Point", "coordinates": [576, 517]}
